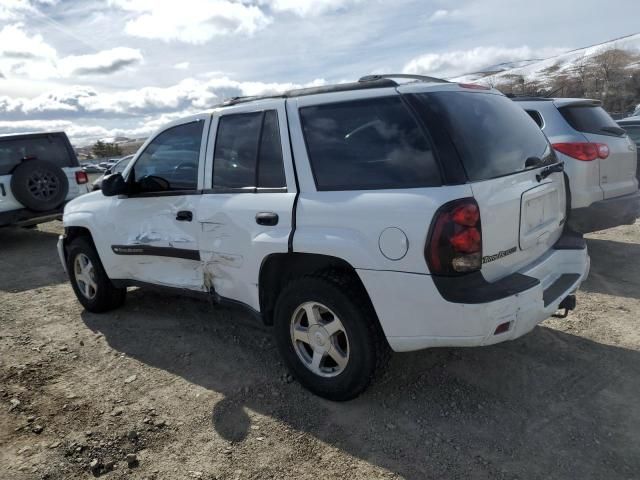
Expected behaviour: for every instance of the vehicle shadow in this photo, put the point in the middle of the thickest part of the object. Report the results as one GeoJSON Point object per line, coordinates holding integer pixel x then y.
{"type": "Point", "coordinates": [614, 268]}
{"type": "Point", "coordinates": [30, 258]}
{"type": "Point", "coordinates": [547, 402]}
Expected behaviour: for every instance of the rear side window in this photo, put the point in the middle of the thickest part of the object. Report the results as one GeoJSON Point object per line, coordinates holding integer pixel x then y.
{"type": "Point", "coordinates": [535, 115]}
{"type": "Point", "coordinates": [634, 132]}
{"type": "Point", "coordinates": [51, 148]}
{"type": "Point", "coordinates": [493, 136]}
{"type": "Point", "coordinates": [367, 144]}
{"type": "Point", "coordinates": [248, 152]}
{"type": "Point", "coordinates": [590, 119]}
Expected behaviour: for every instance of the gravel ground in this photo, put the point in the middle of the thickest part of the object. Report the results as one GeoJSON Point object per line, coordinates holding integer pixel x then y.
{"type": "Point", "coordinates": [172, 388]}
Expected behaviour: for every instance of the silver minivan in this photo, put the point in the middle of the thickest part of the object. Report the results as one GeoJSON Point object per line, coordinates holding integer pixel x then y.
{"type": "Point", "coordinates": [599, 158]}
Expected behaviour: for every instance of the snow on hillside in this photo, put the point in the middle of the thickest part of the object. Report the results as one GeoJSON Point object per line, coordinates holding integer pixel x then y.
{"type": "Point", "coordinates": [538, 70]}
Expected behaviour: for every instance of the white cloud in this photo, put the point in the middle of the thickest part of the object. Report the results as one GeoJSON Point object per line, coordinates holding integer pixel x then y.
{"type": "Point", "coordinates": [103, 62]}
{"type": "Point", "coordinates": [305, 8]}
{"type": "Point", "coordinates": [181, 66]}
{"type": "Point", "coordinates": [440, 15]}
{"type": "Point", "coordinates": [466, 61]}
{"type": "Point", "coordinates": [15, 43]}
{"type": "Point", "coordinates": [138, 111]}
{"type": "Point", "coordinates": [29, 56]}
{"type": "Point", "coordinates": [191, 21]}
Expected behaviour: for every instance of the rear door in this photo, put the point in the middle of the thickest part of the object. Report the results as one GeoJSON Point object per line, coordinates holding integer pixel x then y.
{"type": "Point", "coordinates": [246, 211]}
{"type": "Point", "coordinates": [618, 170]}
{"type": "Point", "coordinates": [504, 154]}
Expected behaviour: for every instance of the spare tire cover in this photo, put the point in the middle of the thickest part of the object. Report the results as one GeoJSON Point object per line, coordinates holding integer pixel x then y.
{"type": "Point", "coordinates": [39, 185]}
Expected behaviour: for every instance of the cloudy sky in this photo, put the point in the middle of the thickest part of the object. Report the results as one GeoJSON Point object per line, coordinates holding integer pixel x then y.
{"type": "Point", "coordinates": [123, 67]}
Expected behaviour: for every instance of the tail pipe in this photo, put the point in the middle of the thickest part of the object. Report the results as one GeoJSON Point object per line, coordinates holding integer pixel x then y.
{"type": "Point", "coordinates": [568, 304]}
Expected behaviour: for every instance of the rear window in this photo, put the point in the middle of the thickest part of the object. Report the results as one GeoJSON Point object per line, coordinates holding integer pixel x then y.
{"type": "Point", "coordinates": [493, 136]}
{"type": "Point", "coordinates": [367, 144]}
{"type": "Point", "coordinates": [591, 119]}
{"type": "Point", "coordinates": [52, 148]}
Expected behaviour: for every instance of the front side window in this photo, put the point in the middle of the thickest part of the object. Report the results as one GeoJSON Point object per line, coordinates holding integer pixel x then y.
{"type": "Point", "coordinates": [170, 161]}
{"type": "Point", "coordinates": [367, 144]}
{"type": "Point", "coordinates": [248, 153]}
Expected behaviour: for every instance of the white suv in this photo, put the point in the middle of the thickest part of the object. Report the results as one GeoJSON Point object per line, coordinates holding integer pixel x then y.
{"type": "Point", "coordinates": [39, 172]}
{"type": "Point", "coordinates": [352, 218]}
{"type": "Point", "coordinates": [599, 160]}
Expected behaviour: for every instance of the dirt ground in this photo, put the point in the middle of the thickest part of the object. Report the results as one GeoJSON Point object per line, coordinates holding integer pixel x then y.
{"type": "Point", "coordinates": [198, 392]}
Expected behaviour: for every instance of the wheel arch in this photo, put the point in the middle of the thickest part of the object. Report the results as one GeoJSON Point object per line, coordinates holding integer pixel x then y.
{"type": "Point", "coordinates": [278, 269]}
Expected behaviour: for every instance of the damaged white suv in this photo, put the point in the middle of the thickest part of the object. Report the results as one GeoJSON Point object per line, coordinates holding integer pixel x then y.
{"type": "Point", "coordinates": [356, 219]}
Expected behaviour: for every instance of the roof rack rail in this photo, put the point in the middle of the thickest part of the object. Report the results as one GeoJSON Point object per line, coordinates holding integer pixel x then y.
{"type": "Point", "coordinates": [424, 78]}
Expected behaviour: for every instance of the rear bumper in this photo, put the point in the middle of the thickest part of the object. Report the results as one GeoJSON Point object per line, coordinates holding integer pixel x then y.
{"type": "Point", "coordinates": [414, 315]}
{"type": "Point", "coordinates": [608, 213]}
{"type": "Point", "coordinates": [24, 217]}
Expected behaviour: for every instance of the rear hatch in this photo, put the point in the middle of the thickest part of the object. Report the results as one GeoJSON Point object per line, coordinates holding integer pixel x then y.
{"type": "Point", "coordinates": [52, 147]}
{"type": "Point", "coordinates": [618, 169]}
{"type": "Point", "coordinates": [508, 163]}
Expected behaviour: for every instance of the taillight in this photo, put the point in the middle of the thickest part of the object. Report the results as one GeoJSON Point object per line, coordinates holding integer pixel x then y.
{"type": "Point", "coordinates": [81, 177]}
{"type": "Point", "coordinates": [583, 150]}
{"type": "Point", "coordinates": [455, 239]}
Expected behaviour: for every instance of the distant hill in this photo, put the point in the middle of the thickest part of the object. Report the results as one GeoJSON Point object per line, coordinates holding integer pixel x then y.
{"type": "Point", "coordinates": [548, 68]}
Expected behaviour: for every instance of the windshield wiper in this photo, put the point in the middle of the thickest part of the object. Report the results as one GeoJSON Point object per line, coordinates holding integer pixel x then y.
{"type": "Point", "coordinates": [545, 172]}
{"type": "Point", "coordinates": [615, 130]}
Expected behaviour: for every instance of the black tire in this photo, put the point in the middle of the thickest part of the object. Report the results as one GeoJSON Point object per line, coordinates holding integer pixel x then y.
{"type": "Point", "coordinates": [39, 185]}
{"type": "Point", "coordinates": [106, 297]}
{"type": "Point", "coordinates": [368, 348]}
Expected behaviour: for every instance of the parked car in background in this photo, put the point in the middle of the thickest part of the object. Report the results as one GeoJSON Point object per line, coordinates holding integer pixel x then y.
{"type": "Point", "coordinates": [353, 218]}
{"type": "Point", "coordinates": [631, 125]}
{"type": "Point", "coordinates": [599, 157]}
{"type": "Point", "coordinates": [39, 173]}
{"type": "Point", "coordinates": [92, 168]}
{"type": "Point", "coordinates": [117, 167]}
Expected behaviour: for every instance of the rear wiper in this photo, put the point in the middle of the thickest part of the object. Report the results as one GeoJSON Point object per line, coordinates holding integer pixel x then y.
{"type": "Point", "coordinates": [545, 172]}
{"type": "Point", "coordinates": [615, 130]}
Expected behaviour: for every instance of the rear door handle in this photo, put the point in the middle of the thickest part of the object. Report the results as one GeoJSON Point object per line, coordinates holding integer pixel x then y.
{"type": "Point", "coordinates": [267, 218]}
{"type": "Point", "coordinates": [184, 216]}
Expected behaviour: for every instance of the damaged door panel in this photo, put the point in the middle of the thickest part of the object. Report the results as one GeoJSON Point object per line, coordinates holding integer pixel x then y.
{"type": "Point", "coordinates": [252, 179]}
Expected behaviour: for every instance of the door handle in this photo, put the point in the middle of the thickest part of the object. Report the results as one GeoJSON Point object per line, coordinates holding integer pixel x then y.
{"type": "Point", "coordinates": [267, 218]}
{"type": "Point", "coordinates": [184, 216]}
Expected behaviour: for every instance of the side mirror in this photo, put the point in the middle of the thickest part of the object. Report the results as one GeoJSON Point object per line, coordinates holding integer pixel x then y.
{"type": "Point", "coordinates": [107, 172]}
{"type": "Point", "coordinates": [113, 185]}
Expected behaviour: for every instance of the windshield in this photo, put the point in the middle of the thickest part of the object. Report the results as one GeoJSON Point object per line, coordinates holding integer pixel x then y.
{"type": "Point", "coordinates": [493, 136]}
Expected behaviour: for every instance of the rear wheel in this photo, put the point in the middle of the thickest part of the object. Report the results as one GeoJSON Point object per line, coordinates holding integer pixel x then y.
{"type": "Point", "coordinates": [329, 337]}
{"type": "Point", "coordinates": [90, 282]}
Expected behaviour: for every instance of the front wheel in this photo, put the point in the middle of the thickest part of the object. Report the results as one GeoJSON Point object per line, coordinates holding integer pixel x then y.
{"type": "Point", "coordinates": [328, 336]}
{"type": "Point", "coordinates": [90, 282]}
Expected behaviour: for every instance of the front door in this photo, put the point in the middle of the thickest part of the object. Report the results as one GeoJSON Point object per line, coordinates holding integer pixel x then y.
{"type": "Point", "coordinates": [154, 235]}
{"type": "Point", "coordinates": [246, 213]}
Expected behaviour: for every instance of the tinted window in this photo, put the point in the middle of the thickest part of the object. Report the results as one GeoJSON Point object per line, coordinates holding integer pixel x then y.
{"type": "Point", "coordinates": [52, 148]}
{"type": "Point", "coordinates": [121, 165]}
{"type": "Point", "coordinates": [535, 115]}
{"type": "Point", "coordinates": [234, 162]}
{"type": "Point", "coordinates": [173, 156]}
{"type": "Point", "coordinates": [590, 119]}
{"type": "Point", "coordinates": [634, 132]}
{"type": "Point", "coordinates": [367, 144]}
{"type": "Point", "coordinates": [242, 158]}
{"type": "Point", "coordinates": [493, 135]}
{"type": "Point", "coordinates": [270, 166]}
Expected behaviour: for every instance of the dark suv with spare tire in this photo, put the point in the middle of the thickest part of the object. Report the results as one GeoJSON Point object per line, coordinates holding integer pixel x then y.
{"type": "Point", "coordinates": [39, 174]}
